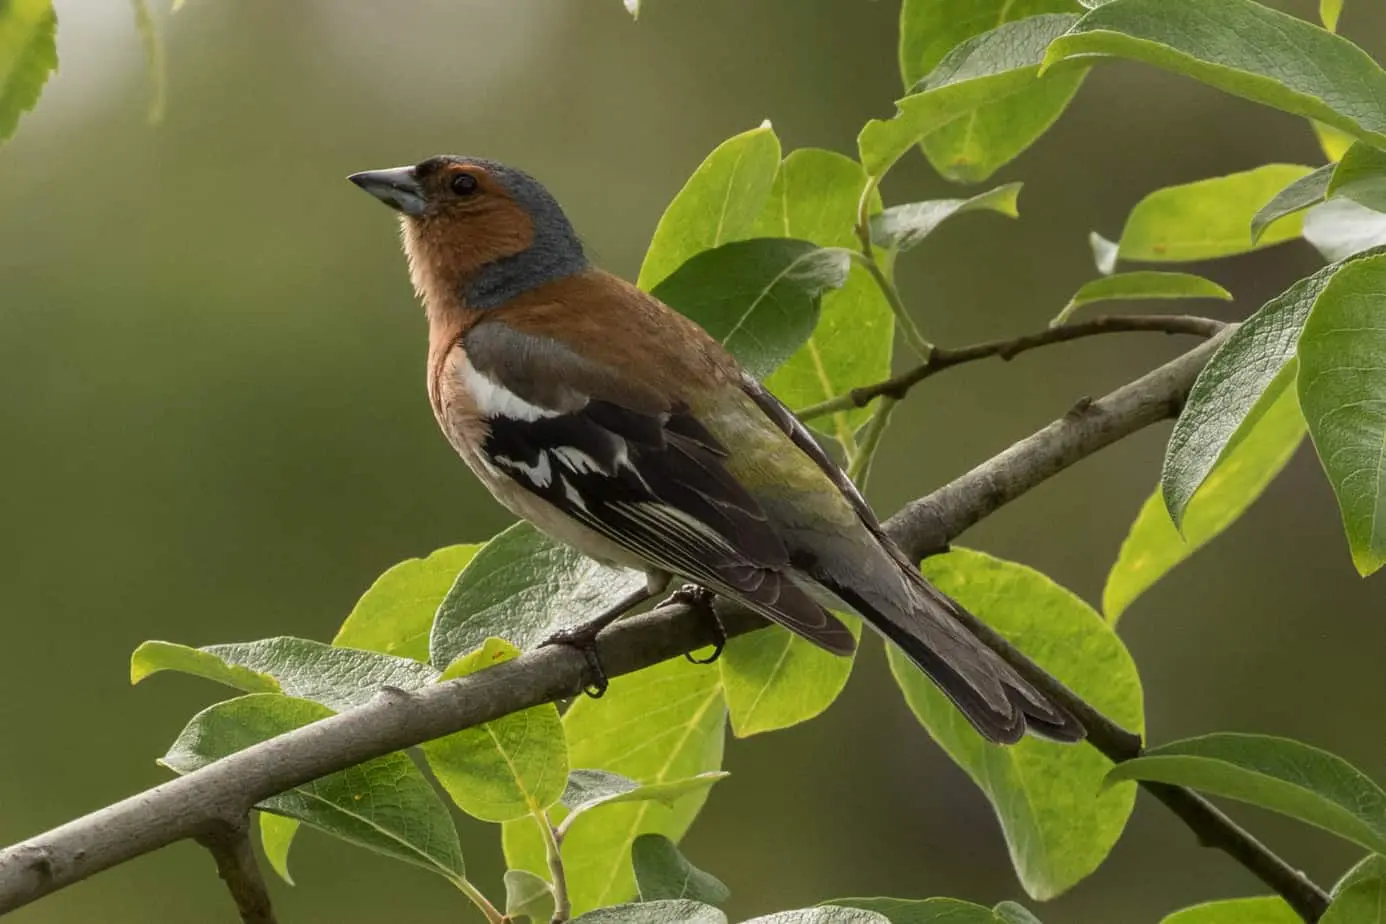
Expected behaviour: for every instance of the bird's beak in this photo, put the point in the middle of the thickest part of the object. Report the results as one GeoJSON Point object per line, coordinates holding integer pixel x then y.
{"type": "Point", "coordinates": [396, 187]}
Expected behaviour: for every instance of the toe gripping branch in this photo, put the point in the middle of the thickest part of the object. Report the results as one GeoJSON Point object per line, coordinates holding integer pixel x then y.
{"type": "Point", "coordinates": [699, 599]}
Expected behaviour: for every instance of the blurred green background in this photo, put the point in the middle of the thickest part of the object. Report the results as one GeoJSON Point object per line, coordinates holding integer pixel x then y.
{"type": "Point", "coordinates": [214, 426]}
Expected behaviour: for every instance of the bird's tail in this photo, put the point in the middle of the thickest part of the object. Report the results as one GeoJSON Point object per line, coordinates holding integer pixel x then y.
{"type": "Point", "coordinates": [998, 702]}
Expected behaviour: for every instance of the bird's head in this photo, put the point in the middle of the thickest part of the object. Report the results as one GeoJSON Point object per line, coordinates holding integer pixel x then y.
{"type": "Point", "coordinates": [476, 230]}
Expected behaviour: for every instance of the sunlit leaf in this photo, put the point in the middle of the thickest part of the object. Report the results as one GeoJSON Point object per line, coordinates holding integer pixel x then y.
{"type": "Point", "coordinates": [759, 298]}
{"type": "Point", "coordinates": [1142, 284]}
{"type": "Point", "coordinates": [1333, 142]}
{"type": "Point", "coordinates": [773, 679]}
{"type": "Point", "coordinates": [924, 911]}
{"type": "Point", "coordinates": [1342, 388]}
{"type": "Point", "coordinates": [1268, 910]}
{"type": "Point", "coordinates": [588, 789]}
{"type": "Point", "coordinates": [1244, 48]}
{"type": "Point", "coordinates": [717, 205]}
{"type": "Point", "coordinates": [661, 872]}
{"type": "Point", "coordinates": [1363, 902]}
{"type": "Point", "coordinates": [528, 895]}
{"type": "Point", "coordinates": [1329, 11]}
{"type": "Point", "coordinates": [276, 837]}
{"type": "Point", "coordinates": [823, 914]}
{"type": "Point", "coordinates": [1340, 228]}
{"type": "Point", "coordinates": [396, 614]}
{"type": "Point", "coordinates": [1257, 453]}
{"type": "Point", "coordinates": [1104, 253]}
{"type": "Point", "coordinates": [681, 911]}
{"type": "Point", "coordinates": [384, 804]}
{"type": "Point", "coordinates": [28, 54]}
{"type": "Point", "coordinates": [1058, 824]}
{"type": "Point", "coordinates": [1284, 776]}
{"type": "Point", "coordinates": [507, 768]}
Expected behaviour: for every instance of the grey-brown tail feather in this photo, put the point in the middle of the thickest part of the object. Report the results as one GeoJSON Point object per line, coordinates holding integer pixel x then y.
{"type": "Point", "coordinates": [998, 702]}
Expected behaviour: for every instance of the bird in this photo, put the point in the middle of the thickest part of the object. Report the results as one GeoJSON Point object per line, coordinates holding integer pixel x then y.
{"type": "Point", "coordinates": [617, 425]}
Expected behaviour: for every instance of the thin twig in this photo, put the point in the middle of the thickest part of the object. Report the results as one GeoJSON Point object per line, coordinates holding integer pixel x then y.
{"type": "Point", "coordinates": [860, 470]}
{"type": "Point", "coordinates": [943, 358]}
{"type": "Point", "coordinates": [186, 807]}
{"type": "Point", "coordinates": [866, 256]}
{"type": "Point", "coordinates": [553, 853]}
{"type": "Point", "coordinates": [229, 845]}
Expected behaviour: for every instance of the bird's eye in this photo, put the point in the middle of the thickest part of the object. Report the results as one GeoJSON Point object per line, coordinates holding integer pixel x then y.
{"type": "Point", "coordinates": [464, 184]}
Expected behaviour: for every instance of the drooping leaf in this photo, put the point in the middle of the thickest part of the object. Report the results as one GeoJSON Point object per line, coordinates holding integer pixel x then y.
{"type": "Point", "coordinates": [974, 146]}
{"type": "Point", "coordinates": [717, 205]}
{"type": "Point", "coordinates": [588, 789]}
{"type": "Point", "coordinates": [773, 679]}
{"type": "Point", "coordinates": [338, 678]}
{"type": "Point", "coordinates": [28, 54]}
{"type": "Point", "coordinates": [759, 298]}
{"type": "Point", "coordinates": [523, 586]}
{"type": "Point", "coordinates": [1329, 11]}
{"type": "Point", "coordinates": [528, 895]}
{"type": "Point", "coordinates": [1284, 776]}
{"type": "Point", "coordinates": [660, 724]}
{"type": "Point", "coordinates": [823, 914]}
{"type": "Point", "coordinates": [1104, 253]}
{"type": "Point", "coordinates": [661, 872]}
{"type": "Point", "coordinates": [1058, 824]}
{"type": "Point", "coordinates": [815, 198]}
{"type": "Point", "coordinates": [1340, 228]}
{"type": "Point", "coordinates": [1209, 218]}
{"type": "Point", "coordinates": [1363, 902]}
{"type": "Point", "coordinates": [1246, 49]}
{"type": "Point", "coordinates": [1342, 388]}
{"type": "Point", "coordinates": [385, 804]}
{"type": "Point", "coordinates": [904, 226]}
{"type": "Point", "coordinates": [276, 837]}
{"type": "Point", "coordinates": [979, 71]}
{"type": "Point", "coordinates": [1231, 385]}
{"type": "Point", "coordinates": [1142, 284]}
{"type": "Point", "coordinates": [632, 7]}
{"type": "Point", "coordinates": [1304, 192]}
{"type": "Point", "coordinates": [1267, 910]}
{"type": "Point", "coordinates": [682, 911]}
{"type": "Point", "coordinates": [923, 911]}
{"type": "Point", "coordinates": [395, 614]}
{"type": "Point", "coordinates": [1259, 450]}
{"type": "Point", "coordinates": [1361, 177]}
{"type": "Point", "coordinates": [505, 769]}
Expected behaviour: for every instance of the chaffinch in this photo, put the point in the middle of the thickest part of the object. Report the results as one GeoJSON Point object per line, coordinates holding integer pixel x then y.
{"type": "Point", "coordinates": [619, 426]}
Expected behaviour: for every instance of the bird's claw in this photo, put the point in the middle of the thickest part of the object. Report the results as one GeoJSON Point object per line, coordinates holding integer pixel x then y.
{"type": "Point", "coordinates": [700, 599]}
{"type": "Point", "coordinates": [585, 641]}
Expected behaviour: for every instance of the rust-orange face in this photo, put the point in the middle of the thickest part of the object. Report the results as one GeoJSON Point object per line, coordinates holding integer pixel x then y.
{"type": "Point", "coordinates": [436, 187]}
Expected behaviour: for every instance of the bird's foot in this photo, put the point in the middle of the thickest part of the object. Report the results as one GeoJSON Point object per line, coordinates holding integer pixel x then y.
{"type": "Point", "coordinates": [584, 638]}
{"type": "Point", "coordinates": [700, 599]}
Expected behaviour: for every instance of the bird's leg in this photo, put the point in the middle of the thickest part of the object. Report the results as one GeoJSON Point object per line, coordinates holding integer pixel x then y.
{"type": "Point", "coordinates": [700, 599]}
{"type": "Point", "coordinates": [583, 637]}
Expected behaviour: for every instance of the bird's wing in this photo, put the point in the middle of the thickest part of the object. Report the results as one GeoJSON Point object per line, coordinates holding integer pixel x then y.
{"type": "Point", "coordinates": [635, 466]}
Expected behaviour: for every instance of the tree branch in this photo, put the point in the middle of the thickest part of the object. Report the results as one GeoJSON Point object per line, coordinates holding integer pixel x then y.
{"type": "Point", "coordinates": [192, 805]}
{"type": "Point", "coordinates": [229, 844]}
{"type": "Point", "coordinates": [943, 358]}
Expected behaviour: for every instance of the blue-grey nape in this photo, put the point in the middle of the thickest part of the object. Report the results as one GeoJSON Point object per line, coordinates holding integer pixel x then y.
{"type": "Point", "coordinates": [554, 254]}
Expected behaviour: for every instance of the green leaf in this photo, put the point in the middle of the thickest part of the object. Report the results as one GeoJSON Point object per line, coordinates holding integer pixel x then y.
{"type": "Point", "coordinates": [1308, 190]}
{"type": "Point", "coordinates": [759, 298]}
{"type": "Point", "coordinates": [28, 54]}
{"type": "Point", "coordinates": [1104, 253]}
{"type": "Point", "coordinates": [528, 895]}
{"type": "Point", "coordinates": [823, 914]}
{"type": "Point", "coordinates": [1242, 48]}
{"type": "Point", "coordinates": [977, 72]}
{"type": "Point", "coordinates": [385, 804]}
{"type": "Point", "coordinates": [505, 769]}
{"type": "Point", "coordinates": [923, 911]}
{"type": "Point", "coordinates": [338, 678]}
{"type": "Point", "coordinates": [1361, 177]}
{"type": "Point", "coordinates": [773, 679]}
{"type": "Point", "coordinates": [1342, 388]}
{"type": "Point", "coordinates": [904, 226]}
{"type": "Point", "coordinates": [681, 911]}
{"type": "Point", "coordinates": [973, 147]}
{"type": "Point", "coordinates": [661, 872]}
{"type": "Point", "coordinates": [1141, 285]}
{"type": "Point", "coordinates": [1284, 776]}
{"type": "Point", "coordinates": [1329, 11]}
{"type": "Point", "coordinates": [717, 205]}
{"type": "Point", "coordinates": [1058, 824]}
{"type": "Point", "coordinates": [1372, 866]}
{"type": "Point", "coordinates": [1340, 228]}
{"type": "Point", "coordinates": [1363, 902]}
{"type": "Point", "coordinates": [1333, 142]}
{"type": "Point", "coordinates": [1013, 913]}
{"type": "Point", "coordinates": [276, 837]}
{"type": "Point", "coordinates": [660, 724]}
{"type": "Point", "coordinates": [395, 615]}
{"type": "Point", "coordinates": [1268, 910]}
{"type": "Point", "coordinates": [632, 7]}
{"type": "Point", "coordinates": [1256, 454]}
{"type": "Point", "coordinates": [1231, 385]}
{"type": "Point", "coordinates": [523, 586]}
{"type": "Point", "coordinates": [1210, 218]}
{"type": "Point", "coordinates": [588, 789]}
{"type": "Point", "coordinates": [815, 198]}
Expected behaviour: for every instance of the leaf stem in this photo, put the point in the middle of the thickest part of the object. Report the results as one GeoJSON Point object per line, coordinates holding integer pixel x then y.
{"type": "Point", "coordinates": [553, 852]}
{"type": "Point", "coordinates": [944, 358]}
{"type": "Point", "coordinates": [483, 904]}
{"type": "Point", "coordinates": [871, 441]}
